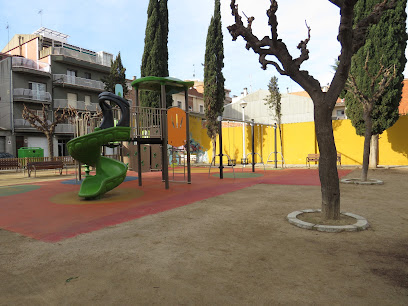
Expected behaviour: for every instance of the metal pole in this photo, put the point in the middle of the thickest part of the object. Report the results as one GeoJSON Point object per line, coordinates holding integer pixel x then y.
{"type": "Point", "coordinates": [79, 171]}
{"type": "Point", "coordinates": [136, 133]}
{"type": "Point", "coordinates": [253, 145]}
{"type": "Point", "coordinates": [187, 136]}
{"type": "Point", "coordinates": [243, 136]}
{"type": "Point", "coordinates": [276, 153]}
{"type": "Point", "coordinates": [220, 145]}
{"type": "Point", "coordinates": [164, 129]}
{"type": "Point", "coordinates": [139, 163]}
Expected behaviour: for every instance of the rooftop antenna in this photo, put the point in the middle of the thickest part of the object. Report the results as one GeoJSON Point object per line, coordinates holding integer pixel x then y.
{"type": "Point", "coordinates": [40, 12]}
{"type": "Point", "coordinates": [8, 35]}
{"type": "Point", "coordinates": [193, 71]}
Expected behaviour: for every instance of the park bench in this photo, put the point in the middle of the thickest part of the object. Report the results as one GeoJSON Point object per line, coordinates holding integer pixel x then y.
{"type": "Point", "coordinates": [7, 164]}
{"type": "Point", "coordinates": [45, 165]}
{"type": "Point", "coordinates": [316, 157]}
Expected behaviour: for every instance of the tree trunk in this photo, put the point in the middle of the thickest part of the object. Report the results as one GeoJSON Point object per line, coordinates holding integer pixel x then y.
{"type": "Point", "coordinates": [374, 152]}
{"type": "Point", "coordinates": [50, 145]}
{"type": "Point", "coordinates": [281, 143]}
{"type": "Point", "coordinates": [329, 178]}
{"type": "Point", "coordinates": [367, 140]}
{"type": "Point", "coordinates": [214, 145]}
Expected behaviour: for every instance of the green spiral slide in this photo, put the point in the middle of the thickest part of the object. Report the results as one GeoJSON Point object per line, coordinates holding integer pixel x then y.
{"type": "Point", "coordinates": [110, 173]}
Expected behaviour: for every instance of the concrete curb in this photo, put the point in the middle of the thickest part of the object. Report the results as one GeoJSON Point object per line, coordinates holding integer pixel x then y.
{"type": "Point", "coordinates": [360, 182]}
{"type": "Point", "coordinates": [360, 225]}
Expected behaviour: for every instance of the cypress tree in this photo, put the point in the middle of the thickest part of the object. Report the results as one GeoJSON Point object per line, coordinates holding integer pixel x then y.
{"type": "Point", "coordinates": [214, 93]}
{"type": "Point", "coordinates": [274, 104]}
{"type": "Point", "coordinates": [156, 55]}
{"type": "Point", "coordinates": [116, 76]}
{"type": "Point", "coordinates": [386, 43]}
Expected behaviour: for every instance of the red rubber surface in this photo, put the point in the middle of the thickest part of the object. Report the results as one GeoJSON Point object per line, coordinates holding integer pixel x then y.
{"type": "Point", "coordinates": [33, 214]}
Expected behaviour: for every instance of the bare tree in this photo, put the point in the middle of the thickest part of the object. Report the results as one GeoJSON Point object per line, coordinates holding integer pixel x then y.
{"type": "Point", "coordinates": [368, 100]}
{"type": "Point", "coordinates": [40, 122]}
{"type": "Point", "coordinates": [351, 37]}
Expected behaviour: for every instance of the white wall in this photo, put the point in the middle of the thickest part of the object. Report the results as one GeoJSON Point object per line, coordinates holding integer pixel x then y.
{"type": "Point", "coordinates": [41, 142]}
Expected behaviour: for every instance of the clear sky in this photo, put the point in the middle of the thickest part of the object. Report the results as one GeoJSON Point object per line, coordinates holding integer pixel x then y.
{"type": "Point", "coordinates": [113, 26]}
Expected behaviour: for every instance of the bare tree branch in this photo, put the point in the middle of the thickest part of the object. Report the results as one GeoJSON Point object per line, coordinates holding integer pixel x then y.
{"type": "Point", "coordinates": [273, 22]}
{"type": "Point", "coordinates": [338, 3]}
{"type": "Point", "coordinates": [353, 87]}
{"type": "Point", "coordinates": [272, 46]}
{"type": "Point", "coordinates": [265, 62]}
{"type": "Point", "coordinates": [302, 46]}
{"type": "Point", "coordinates": [368, 101]}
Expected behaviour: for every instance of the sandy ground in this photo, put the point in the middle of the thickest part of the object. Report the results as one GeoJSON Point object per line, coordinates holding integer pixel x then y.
{"type": "Point", "coordinates": [234, 249]}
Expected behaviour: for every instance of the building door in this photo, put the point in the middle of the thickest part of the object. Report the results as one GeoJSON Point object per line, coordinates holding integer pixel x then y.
{"type": "Point", "coordinates": [62, 147]}
{"type": "Point", "coordinates": [19, 142]}
{"type": "Point", "coordinates": [2, 144]}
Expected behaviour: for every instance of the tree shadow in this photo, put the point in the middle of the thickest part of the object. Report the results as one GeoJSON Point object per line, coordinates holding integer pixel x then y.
{"type": "Point", "coordinates": [397, 136]}
{"type": "Point", "coordinates": [336, 124]}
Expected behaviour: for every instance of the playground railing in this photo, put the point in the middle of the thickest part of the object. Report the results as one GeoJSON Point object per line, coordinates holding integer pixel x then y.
{"type": "Point", "coordinates": [146, 122]}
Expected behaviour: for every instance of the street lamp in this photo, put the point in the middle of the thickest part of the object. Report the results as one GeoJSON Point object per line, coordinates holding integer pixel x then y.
{"type": "Point", "coordinates": [243, 104]}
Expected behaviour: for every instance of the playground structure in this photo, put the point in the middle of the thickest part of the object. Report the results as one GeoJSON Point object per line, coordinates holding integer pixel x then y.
{"type": "Point", "coordinates": [86, 149]}
{"type": "Point", "coordinates": [244, 161]}
{"type": "Point", "coordinates": [144, 119]}
{"type": "Point", "coordinates": [143, 125]}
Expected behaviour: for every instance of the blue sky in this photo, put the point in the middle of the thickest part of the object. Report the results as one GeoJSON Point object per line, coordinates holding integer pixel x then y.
{"type": "Point", "coordinates": [113, 26]}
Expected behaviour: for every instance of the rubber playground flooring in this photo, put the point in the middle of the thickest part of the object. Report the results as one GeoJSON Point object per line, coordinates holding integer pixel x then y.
{"type": "Point", "coordinates": [51, 210]}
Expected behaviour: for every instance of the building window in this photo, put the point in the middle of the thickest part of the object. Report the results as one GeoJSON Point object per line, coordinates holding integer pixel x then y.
{"type": "Point", "coordinates": [190, 108]}
{"type": "Point", "coordinates": [88, 100]}
{"type": "Point", "coordinates": [87, 75]}
{"type": "Point", "coordinates": [37, 86]}
{"type": "Point", "coordinates": [179, 104]}
{"type": "Point", "coordinates": [340, 113]}
{"type": "Point", "coordinates": [72, 99]}
{"type": "Point", "coordinates": [71, 74]}
{"type": "Point", "coordinates": [40, 114]}
{"type": "Point", "coordinates": [201, 108]}
{"type": "Point", "coordinates": [38, 90]}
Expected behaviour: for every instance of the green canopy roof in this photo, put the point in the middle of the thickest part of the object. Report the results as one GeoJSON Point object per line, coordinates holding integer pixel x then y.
{"type": "Point", "coordinates": [153, 83]}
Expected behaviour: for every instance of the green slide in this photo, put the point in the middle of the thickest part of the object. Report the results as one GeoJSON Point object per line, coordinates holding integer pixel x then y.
{"type": "Point", "coordinates": [110, 173]}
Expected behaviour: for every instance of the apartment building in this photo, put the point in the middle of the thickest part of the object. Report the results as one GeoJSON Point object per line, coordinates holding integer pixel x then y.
{"type": "Point", "coordinates": [43, 68]}
{"type": "Point", "coordinates": [196, 98]}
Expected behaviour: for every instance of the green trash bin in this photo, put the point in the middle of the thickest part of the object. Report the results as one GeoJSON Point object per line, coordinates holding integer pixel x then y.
{"type": "Point", "coordinates": [30, 152]}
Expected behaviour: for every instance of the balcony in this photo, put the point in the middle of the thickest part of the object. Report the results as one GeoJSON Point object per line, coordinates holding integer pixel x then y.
{"type": "Point", "coordinates": [71, 81]}
{"type": "Point", "coordinates": [27, 65]}
{"type": "Point", "coordinates": [28, 95]}
{"type": "Point", "coordinates": [78, 105]}
{"type": "Point", "coordinates": [24, 124]}
{"type": "Point", "coordinates": [100, 58]}
{"type": "Point", "coordinates": [64, 128]}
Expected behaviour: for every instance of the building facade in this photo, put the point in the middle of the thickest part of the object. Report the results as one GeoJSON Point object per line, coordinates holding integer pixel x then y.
{"type": "Point", "coordinates": [42, 68]}
{"type": "Point", "coordinates": [196, 98]}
